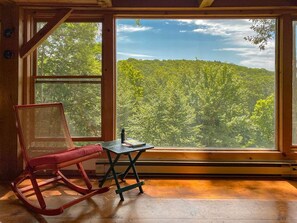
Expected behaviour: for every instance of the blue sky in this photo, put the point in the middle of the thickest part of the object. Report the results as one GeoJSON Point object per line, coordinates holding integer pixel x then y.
{"type": "Point", "coordinates": [220, 40]}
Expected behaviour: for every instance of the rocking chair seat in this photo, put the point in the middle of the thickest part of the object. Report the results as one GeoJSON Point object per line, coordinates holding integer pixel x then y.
{"type": "Point", "coordinates": [66, 156]}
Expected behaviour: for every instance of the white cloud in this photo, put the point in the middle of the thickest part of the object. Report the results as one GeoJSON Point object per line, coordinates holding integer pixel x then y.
{"type": "Point", "coordinates": [122, 29]}
{"type": "Point", "coordinates": [212, 31]}
{"type": "Point", "coordinates": [124, 39]}
{"type": "Point", "coordinates": [130, 28]}
{"type": "Point", "coordinates": [182, 21]}
{"type": "Point", "coordinates": [221, 27]}
{"type": "Point", "coordinates": [233, 32]}
{"type": "Point", "coordinates": [135, 55]}
{"type": "Point", "coordinates": [253, 57]}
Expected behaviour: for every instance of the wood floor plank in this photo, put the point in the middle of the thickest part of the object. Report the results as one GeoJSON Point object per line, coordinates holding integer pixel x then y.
{"type": "Point", "coordinates": [170, 200]}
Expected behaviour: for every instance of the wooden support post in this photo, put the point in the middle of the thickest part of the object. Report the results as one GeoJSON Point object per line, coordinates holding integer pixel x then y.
{"type": "Point", "coordinates": [285, 84]}
{"type": "Point", "coordinates": [108, 79]}
{"type": "Point", "coordinates": [10, 90]}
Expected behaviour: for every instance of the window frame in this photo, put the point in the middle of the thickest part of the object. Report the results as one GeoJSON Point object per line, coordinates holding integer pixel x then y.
{"type": "Point", "coordinates": [35, 78]}
{"type": "Point", "coordinates": [283, 92]}
{"type": "Point", "coordinates": [223, 155]}
{"type": "Point", "coordinates": [276, 78]}
{"type": "Point", "coordinates": [283, 89]}
{"type": "Point", "coordinates": [294, 54]}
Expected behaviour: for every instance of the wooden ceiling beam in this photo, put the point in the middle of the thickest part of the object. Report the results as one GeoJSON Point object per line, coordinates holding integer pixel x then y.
{"type": "Point", "coordinates": [201, 3]}
{"type": "Point", "coordinates": [6, 1]}
{"type": "Point", "coordinates": [254, 3]}
{"type": "Point", "coordinates": [153, 3]}
{"type": "Point", "coordinates": [43, 33]}
{"type": "Point", "coordinates": [205, 3]}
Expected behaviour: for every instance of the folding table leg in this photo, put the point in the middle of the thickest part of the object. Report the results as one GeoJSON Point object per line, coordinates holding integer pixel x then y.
{"type": "Point", "coordinates": [123, 175]}
{"type": "Point", "coordinates": [132, 164]}
{"type": "Point", "coordinates": [112, 164]}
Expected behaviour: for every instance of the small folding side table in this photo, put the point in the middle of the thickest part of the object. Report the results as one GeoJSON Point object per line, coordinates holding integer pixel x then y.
{"type": "Point", "coordinates": [118, 149]}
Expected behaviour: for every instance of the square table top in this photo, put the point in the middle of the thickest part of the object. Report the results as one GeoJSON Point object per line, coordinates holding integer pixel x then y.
{"type": "Point", "coordinates": [116, 147]}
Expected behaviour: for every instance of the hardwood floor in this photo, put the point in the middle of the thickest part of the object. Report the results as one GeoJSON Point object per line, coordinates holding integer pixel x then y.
{"type": "Point", "coordinates": [206, 200]}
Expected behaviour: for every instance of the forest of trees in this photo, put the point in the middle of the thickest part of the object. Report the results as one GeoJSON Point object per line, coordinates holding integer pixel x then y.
{"type": "Point", "coordinates": [169, 103]}
{"type": "Point", "coordinates": [192, 103]}
{"type": "Point", "coordinates": [73, 51]}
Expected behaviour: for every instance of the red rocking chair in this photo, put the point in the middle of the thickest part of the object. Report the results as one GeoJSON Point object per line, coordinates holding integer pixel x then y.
{"type": "Point", "coordinates": [46, 145]}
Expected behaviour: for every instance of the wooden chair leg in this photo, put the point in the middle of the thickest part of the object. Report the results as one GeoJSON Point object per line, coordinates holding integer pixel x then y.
{"type": "Point", "coordinates": [19, 193]}
{"type": "Point", "coordinates": [37, 191]}
{"type": "Point", "coordinates": [36, 188]}
{"type": "Point", "coordinates": [84, 175]}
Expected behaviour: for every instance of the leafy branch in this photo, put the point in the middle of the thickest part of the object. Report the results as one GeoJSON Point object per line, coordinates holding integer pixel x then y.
{"type": "Point", "coordinates": [265, 30]}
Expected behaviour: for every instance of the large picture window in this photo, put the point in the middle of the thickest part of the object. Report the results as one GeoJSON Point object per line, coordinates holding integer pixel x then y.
{"type": "Point", "coordinates": [204, 84]}
{"type": "Point", "coordinates": [69, 71]}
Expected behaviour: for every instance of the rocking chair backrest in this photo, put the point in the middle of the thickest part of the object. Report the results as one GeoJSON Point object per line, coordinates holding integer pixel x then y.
{"type": "Point", "coordinates": [42, 129]}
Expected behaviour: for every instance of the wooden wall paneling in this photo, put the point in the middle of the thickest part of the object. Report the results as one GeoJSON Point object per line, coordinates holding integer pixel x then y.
{"type": "Point", "coordinates": [108, 79]}
{"type": "Point", "coordinates": [10, 76]}
{"type": "Point", "coordinates": [1, 95]}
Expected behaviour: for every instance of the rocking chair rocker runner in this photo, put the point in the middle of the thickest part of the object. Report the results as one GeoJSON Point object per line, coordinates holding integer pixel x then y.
{"type": "Point", "coordinates": [46, 145]}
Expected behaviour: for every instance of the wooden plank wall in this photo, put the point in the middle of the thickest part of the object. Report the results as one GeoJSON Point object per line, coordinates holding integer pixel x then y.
{"type": "Point", "coordinates": [10, 164]}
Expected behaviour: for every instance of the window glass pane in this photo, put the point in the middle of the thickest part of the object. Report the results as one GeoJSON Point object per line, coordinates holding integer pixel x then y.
{"type": "Point", "coordinates": [82, 104]}
{"type": "Point", "coordinates": [73, 49]}
{"type": "Point", "coordinates": [197, 84]}
{"type": "Point", "coordinates": [294, 82]}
